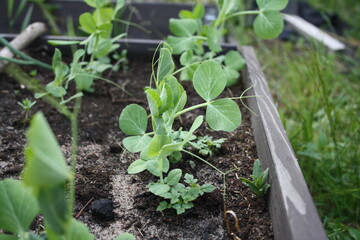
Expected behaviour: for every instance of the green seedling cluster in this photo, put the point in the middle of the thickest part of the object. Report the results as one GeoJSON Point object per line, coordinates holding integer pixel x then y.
{"type": "Point", "coordinates": [210, 75]}
{"type": "Point", "coordinates": [27, 104]}
{"type": "Point", "coordinates": [207, 146]}
{"type": "Point", "coordinates": [167, 100]}
{"type": "Point", "coordinates": [179, 196]}
{"type": "Point", "coordinates": [48, 185]}
{"type": "Point", "coordinates": [43, 190]}
{"type": "Point", "coordinates": [258, 179]}
{"type": "Point", "coordinates": [189, 35]}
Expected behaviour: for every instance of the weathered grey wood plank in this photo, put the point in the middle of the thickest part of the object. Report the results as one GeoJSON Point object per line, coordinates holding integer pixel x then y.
{"type": "Point", "coordinates": [292, 209]}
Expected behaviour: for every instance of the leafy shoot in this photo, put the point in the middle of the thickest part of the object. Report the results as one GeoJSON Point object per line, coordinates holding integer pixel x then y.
{"type": "Point", "coordinates": [207, 146]}
{"type": "Point", "coordinates": [258, 183]}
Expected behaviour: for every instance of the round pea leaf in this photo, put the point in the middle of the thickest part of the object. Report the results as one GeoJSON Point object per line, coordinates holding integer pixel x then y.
{"type": "Point", "coordinates": [18, 206]}
{"type": "Point", "coordinates": [209, 80]}
{"type": "Point", "coordinates": [223, 114]}
{"type": "Point", "coordinates": [183, 27]}
{"type": "Point", "coordinates": [133, 120]}
{"type": "Point", "coordinates": [271, 5]}
{"type": "Point", "coordinates": [268, 25]}
{"type": "Point", "coordinates": [136, 143]}
{"type": "Point", "coordinates": [137, 166]}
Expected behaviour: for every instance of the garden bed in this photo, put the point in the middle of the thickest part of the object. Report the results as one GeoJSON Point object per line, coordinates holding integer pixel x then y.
{"type": "Point", "coordinates": [102, 164]}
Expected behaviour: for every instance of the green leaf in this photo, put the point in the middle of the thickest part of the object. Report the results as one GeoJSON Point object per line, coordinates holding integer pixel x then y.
{"type": "Point", "coordinates": [213, 39]}
{"type": "Point", "coordinates": [57, 58]}
{"type": "Point", "coordinates": [158, 188]}
{"type": "Point", "coordinates": [268, 25]}
{"type": "Point", "coordinates": [77, 230]}
{"type": "Point", "coordinates": [87, 23]}
{"type": "Point", "coordinates": [136, 143]}
{"type": "Point", "coordinates": [228, 6]}
{"type": "Point", "coordinates": [84, 83]}
{"type": "Point", "coordinates": [91, 3]}
{"type": "Point", "coordinates": [162, 206]}
{"type": "Point", "coordinates": [153, 167]}
{"type": "Point", "coordinates": [186, 57]}
{"type": "Point", "coordinates": [119, 5]}
{"type": "Point", "coordinates": [174, 177]}
{"type": "Point", "coordinates": [182, 27]}
{"type": "Point", "coordinates": [207, 188]}
{"type": "Point", "coordinates": [45, 164]}
{"type": "Point", "coordinates": [54, 207]}
{"type": "Point", "coordinates": [156, 144]}
{"type": "Point", "coordinates": [103, 15]}
{"type": "Point", "coordinates": [232, 76]}
{"type": "Point", "coordinates": [196, 124]}
{"type": "Point", "coordinates": [18, 206]}
{"type": "Point", "coordinates": [166, 64]}
{"type": "Point", "coordinates": [8, 237]}
{"type": "Point", "coordinates": [176, 88]}
{"type": "Point", "coordinates": [137, 166]}
{"type": "Point", "coordinates": [271, 5]}
{"type": "Point", "coordinates": [181, 44]}
{"type": "Point", "coordinates": [234, 60]}
{"type": "Point", "coordinates": [223, 114]}
{"type": "Point", "coordinates": [199, 11]}
{"type": "Point", "coordinates": [133, 120]}
{"type": "Point", "coordinates": [62, 42]}
{"type": "Point", "coordinates": [181, 103]}
{"type": "Point", "coordinates": [209, 80]}
{"type": "Point", "coordinates": [257, 168]}
{"type": "Point", "coordinates": [125, 236]}
{"type": "Point", "coordinates": [103, 48]}
{"type": "Point", "coordinates": [172, 147]}
{"type": "Point", "coordinates": [106, 30]}
{"type": "Point", "coordinates": [166, 97]}
{"type": "Point", "coordinates": [154, 101]}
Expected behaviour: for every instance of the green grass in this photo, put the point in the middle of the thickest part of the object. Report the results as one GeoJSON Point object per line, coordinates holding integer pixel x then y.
{"type": "Point", "coordinates": [318, 98]}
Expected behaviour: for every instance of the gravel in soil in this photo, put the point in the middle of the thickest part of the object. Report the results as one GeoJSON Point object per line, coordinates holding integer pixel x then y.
{"type": "Point", "coordinates": [119, 202]}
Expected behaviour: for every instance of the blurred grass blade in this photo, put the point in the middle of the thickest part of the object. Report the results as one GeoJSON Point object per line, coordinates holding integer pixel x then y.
{"type": "Point", "coordinates": [27, 17]}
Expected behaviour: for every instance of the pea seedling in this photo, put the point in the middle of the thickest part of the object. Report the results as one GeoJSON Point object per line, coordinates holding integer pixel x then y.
{"type": "Point", "coordinates": [42, 190]}
{"type": "Point", "coordinates": [207, 146]}
{"type": "Point", "coordinates": [27, 104]}
{"type": "Point", "coordinates": [190, 34]}
{"type": "Point", "coordinates": [166, 102]}
{"type": "Point", "coordinates": [258, 183]}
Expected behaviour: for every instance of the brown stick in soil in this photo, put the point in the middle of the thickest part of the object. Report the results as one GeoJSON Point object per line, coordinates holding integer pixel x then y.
{"type": "Point", "coordinates": [33, 31]}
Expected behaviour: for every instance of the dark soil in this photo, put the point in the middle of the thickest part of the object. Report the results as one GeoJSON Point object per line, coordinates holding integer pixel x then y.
{"type": "Point", "coordinates": [120, 202]}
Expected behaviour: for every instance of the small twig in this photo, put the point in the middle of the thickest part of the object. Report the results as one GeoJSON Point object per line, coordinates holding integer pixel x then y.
{"type": "Point", "coordinates": [82, 210]}
{"type": "Point", "coordinates": [23, 40]}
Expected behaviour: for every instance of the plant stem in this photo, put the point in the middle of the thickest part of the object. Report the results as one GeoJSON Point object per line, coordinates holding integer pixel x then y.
{"type": "Point", "coordinates": [74, 146]}
{"type": "Point", "coordinates": [251, 12]}
{"type": "Point", "coordinates": [183, 68]}
{"type": "Point", "coordinates": [192, 108]}
{"type": "Point", "coordinates": [203, 160]}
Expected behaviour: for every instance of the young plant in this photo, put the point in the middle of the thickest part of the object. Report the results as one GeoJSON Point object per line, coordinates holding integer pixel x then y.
{"type": "Point", "coordinates": [98, 45]}
{"type": "Point", "coordinates": [190, 34]}
{"type": "Point", "coordinates": [166, 102]}
{"type": "Point", "coordinates": [207, 146]}
{"type": "Point", "coordinates": [42, 191]}
{"type": "Point", "coordinates": [179, 196]}
{"type": "Point", "coordinates": [26, 105]}
{"type": "Point", "coordinates": [259, 178]}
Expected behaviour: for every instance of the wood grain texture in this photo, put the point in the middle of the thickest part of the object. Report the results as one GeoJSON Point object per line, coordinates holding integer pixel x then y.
{"type": "Point", "coordinates": [292, 209]}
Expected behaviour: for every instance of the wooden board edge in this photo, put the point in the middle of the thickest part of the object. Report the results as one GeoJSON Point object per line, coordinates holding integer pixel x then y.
{"type": "Point", "coordinates": [293, 212]}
